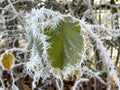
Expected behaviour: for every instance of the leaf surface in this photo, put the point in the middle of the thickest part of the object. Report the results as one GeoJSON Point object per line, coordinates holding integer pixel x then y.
{"type": "Point", "coordinates": [66, 43]}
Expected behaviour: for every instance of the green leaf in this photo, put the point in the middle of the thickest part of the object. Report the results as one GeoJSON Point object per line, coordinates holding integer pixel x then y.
{"type": "Point", "coordinates": [35, 67]}
{"type": "Point", "coordinates": [66, 43]}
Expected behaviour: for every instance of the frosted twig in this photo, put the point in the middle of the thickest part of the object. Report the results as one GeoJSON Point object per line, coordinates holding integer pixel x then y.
{"type": "Point", "coordinates": [112, 32]}
{"type": "Point", "coordinates": [14, 10]}
{"type": "Point", "coordinates": [2, 83]}
{"type": "Point", "coordinates": [89, 72]}
{"type": "Point", "coordinates": [106, 59]}
{"type": "Point", "coordinates": [16, 49]}
{"type": "Point", "coordinates": [18, 65]}
{"type": "Point", "coordinates": [70, 9]}
{"type": "Point", "coordinates": [78, 82]}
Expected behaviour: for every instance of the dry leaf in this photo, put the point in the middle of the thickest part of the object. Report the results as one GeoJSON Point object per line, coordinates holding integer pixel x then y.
{"type": "Point", "coordinates": [14, 53]}
{"type": "Point", "coordinates": [112, 80]}
{"type": "Point", "coordinates": [77, 73]}
{"type": "Point", "coordinates": [26, 87]}
{"type": "Point", "coordinates": [7, 60]}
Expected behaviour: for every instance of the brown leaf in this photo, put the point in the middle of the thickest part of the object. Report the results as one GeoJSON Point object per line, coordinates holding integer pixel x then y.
{"type": "Point", "coordinates": [26, 87]}
{"type": "Point", "coordinates": [14, 53]}
{"type": "Point", "coordinates": [112, 80]}
{"type": "Point", "coordinates": [7, 60]}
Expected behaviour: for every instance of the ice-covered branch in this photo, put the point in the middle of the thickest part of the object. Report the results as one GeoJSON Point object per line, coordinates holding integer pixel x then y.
{"type": "Point", "coordinates": [111, 32]}
{"type": "Point", "coordinates": [78, 82]}
{"type": "Point", "coordinates": [14, 10]}
{"type": "Point", "coordinates": [105, 57]}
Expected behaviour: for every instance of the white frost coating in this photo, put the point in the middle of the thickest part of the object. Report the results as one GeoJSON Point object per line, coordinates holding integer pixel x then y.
{"type": "Point", "coordinates": [106, 59]}
{"type": "Point", "coordinates": [14, 87]}
{"type": "Point", "coordinates": [89, 72]}
{"type": "Point", "coordinates": [111, 32]}
{"type": "Point", "coordinates": [3, 86]}
{"type": "Point", "coordinates": [42, 18]}
{"type": "Point", "coordinates": [60, 87]}
{"type": "Point", "coordinates": [37, 21]}
{"type": "Point", "coordinates": [45, 46]}
{"type": "Point", "coordinates": [78, 82]}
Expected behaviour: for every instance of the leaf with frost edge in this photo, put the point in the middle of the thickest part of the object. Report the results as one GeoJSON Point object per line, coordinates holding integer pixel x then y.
{"type": "Point", "coordinates": [42, 19]}
{"type": "Point", "coordinates": [66, 43]}
{"type": "Point", "coordinates": [83, 25]}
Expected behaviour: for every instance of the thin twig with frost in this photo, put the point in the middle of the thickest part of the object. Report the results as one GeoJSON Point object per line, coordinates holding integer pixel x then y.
{"type": "Point", "coordinates": [14, 10]}
{"type": "Point", "coordinates": [78, 82]}
{"type": "Point", "coordinates": [105, 57]}
{"type": "Point", "coordinates": [111, 32]}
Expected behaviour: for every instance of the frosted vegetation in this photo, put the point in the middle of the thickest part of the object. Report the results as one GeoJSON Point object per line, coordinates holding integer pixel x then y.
{"type": "Point", "coordinates": [56, 45]}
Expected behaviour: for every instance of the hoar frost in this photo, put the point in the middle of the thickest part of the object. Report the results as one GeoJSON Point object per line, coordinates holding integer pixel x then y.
{"type": "Point", "coordinates": [55, 43]}
{"type": "Point", "coordinates": [57, 46]}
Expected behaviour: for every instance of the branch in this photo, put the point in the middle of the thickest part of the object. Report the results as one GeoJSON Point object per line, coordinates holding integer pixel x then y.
{"type": "Point", "coordinates": [106, 6]}
{"type": "Point", "coordinates": [105, 57]}
{"type": "Point", "coordinates": [112, 32]}
{"type": "Point", "coordinates": [14, 10]}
